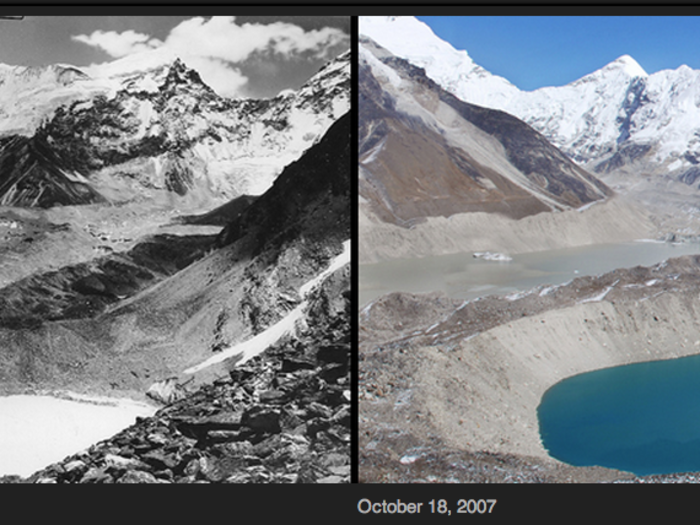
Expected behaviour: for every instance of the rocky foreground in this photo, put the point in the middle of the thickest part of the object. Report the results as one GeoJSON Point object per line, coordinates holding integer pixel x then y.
{"type": "Point", "coordinates": [282, 417]}
{"type": "Point", "coordinates": [448, 390]}
{"type": "Point", "coordinates": [432, 462]}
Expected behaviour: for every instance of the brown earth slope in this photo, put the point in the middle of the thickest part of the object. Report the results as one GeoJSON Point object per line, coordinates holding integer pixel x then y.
{"type": "Point", "coordinates": [425, 153]}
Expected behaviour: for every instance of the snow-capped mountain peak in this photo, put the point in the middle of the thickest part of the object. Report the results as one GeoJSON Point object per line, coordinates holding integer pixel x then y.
{"type": "Point", "coordinates": [409, 38]}
{"type": "Point", "coordinates": [614, 116]}
{"type": "Point", "coordinates": [619, 71]}
{"type": "Point", "coordinates": [629, 65]}
{"type": "Point", "coordinates": [145, 124]}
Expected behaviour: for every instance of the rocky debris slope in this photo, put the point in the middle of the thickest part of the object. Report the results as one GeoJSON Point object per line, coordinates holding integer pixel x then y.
{"type": "Point", "coordinates": [615, 220]}
{"type": "Point", "coordinates": [403, 458]}
{"type": "Point", "coordinates": [87, 289]}
{"type": "Point", "coordinates": [468, 376]}
{"type": "Point", "coordinates": [282, 417]}
{"type": "Point", "coordinates": [426, 153]}
{"type": "Point", "coordinates": [410, 460]}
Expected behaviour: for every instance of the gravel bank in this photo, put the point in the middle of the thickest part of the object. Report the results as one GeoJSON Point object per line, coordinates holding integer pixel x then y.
{"type": "Point", "coordinates": [615, 220]}
{"type": "Point", "coordinates": [471, 374]}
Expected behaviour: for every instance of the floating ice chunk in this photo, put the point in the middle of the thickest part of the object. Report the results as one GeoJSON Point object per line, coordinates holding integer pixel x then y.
{"type": "Point", "coordinates": [491, 256]}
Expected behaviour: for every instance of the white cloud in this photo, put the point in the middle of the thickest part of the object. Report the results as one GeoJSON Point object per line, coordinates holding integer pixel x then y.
{"type": "Point", "coordinates": [119, 44]}
{"type": "Point", "coordinates": [222, 38]}
{"type": "Point", "coordinates": [213, 46]}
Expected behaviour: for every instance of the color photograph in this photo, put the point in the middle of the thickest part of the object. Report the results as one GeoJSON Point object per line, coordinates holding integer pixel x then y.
{"type": "Point", "coordinates": [528, 249]}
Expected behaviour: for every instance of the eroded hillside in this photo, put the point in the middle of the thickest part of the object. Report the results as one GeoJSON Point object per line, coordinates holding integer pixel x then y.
{"type": "Point", "coordinates": [464, 379]}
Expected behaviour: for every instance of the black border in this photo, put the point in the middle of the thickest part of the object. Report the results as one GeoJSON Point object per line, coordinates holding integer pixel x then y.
{"type": "Point", "coordinates": [354, 192]}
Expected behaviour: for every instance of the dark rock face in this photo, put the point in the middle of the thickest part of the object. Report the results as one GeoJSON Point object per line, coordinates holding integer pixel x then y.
{"type": "Point", "coordinates": [624, 155]}
{"type": "Point", "coordinates": [33, 174]}
{"type": "Point", "coordinates": [690, 176]}
{"type": "Point", "coordinates": [692, 157]}
{"type": "Point", "coordinates": [314, 189]}
{"type": "Point", "coordinates": [636, 98]}
{"type": "Point", "coordinates": [283, 417]}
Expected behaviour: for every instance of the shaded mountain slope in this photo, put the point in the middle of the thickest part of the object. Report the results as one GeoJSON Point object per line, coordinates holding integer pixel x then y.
{"type": "Point", "coordinates": [308, 199]}
{"type": "Point", "coordinates": [86, 289]}
{"type": "Point", "coordinates": [33, 174]}
{"type": "Point", "coordinates": [284, 240]}
{"type": "Point", "coordinates": [222, 215]}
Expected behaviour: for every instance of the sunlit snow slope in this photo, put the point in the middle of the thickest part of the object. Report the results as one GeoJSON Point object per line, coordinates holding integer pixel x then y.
{"type": "Point", "coordinates": [608, 119]}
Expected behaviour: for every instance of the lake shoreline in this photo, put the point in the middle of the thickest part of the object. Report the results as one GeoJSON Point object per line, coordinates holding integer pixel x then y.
{"type": "Point", "coordinates": [639, 417]}
{"type": "Point", "coordinates": [464, 276]}
{"type": "Point", "coordinates": [618, 219]}
{"type": "Point", "coordinates": [474, 373]}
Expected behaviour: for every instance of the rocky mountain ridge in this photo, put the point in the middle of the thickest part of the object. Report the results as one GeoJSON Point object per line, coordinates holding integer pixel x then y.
{"type": "Point", "coordinates": [34, 175]}
{"type": "Point", "coordinates": [163, 129]}
{"type": "Point", "coordinates": [424, 152]}
{"type": "Point", "coordinates": [616, 117]}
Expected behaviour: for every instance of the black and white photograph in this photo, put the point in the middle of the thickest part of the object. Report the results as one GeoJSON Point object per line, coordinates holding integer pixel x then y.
{"type": "Point", "coordinates": [175, 239]}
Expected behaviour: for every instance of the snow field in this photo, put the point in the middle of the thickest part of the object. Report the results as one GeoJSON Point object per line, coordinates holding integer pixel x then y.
{"type": "Point", "coordinates": [36, 431]}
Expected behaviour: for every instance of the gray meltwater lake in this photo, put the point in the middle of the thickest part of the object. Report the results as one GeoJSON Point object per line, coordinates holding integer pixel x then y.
{"type": "Point", "coordinates": [461, 276]}
{"type": "Point", "coordinates": [642, 418]}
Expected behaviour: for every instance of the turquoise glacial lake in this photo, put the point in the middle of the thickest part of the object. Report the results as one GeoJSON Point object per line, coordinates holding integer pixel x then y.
{"type": "Point", "coordinates": [642, 418]}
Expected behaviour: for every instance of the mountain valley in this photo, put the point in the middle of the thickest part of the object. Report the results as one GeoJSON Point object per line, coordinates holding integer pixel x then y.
{"type": "Point", "coordinates": [148, 224]}
{"type": "Point", "coordinates": [456, 161]}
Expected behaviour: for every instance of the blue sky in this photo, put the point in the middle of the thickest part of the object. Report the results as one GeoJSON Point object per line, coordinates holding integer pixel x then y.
{"type": "Point", "coordinates": [533, 52]}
